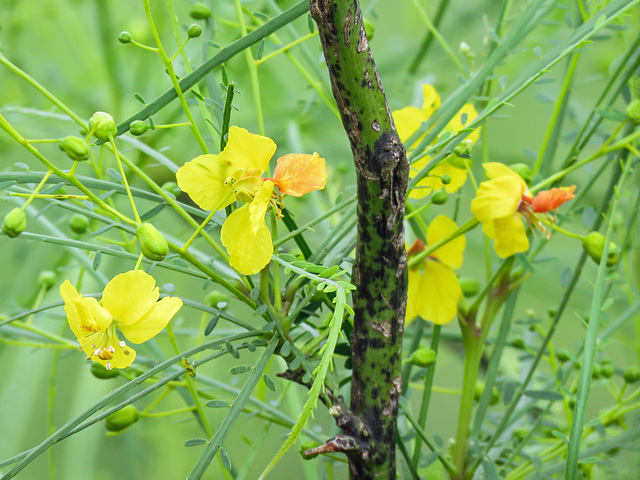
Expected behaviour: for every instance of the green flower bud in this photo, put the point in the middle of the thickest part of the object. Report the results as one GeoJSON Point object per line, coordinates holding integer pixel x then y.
{"type": "Point", "coordinates": [369, 29]}
{"type": "Point", "coordinates": [517, 342]}
{"type": "Point", "coordinates": [199, 11]}
{"type": "Point", "coordinates": [123, 418]}
{"type": "Point", "coordinates": [47, 279]}
{"type": "Point", "coordinates": [99, 371]}
{"type": "Point", "coordinates": [138, 127]}
{"type": "Point", "coordinates": [562, 355]}
{"type": "Point", "coordinates": [594, 246]}
{"type": "Point", "coordinates": [14, 222]}
{"type": "Point", "coordinates": [78, 223]}
{"type": "Point", "coordinates": [596, 372]}
{"type": "Point", "coordinates": [217, 299]}
{"type": "Point", "coordinates": [152, 243]}
{"type": "Point", "coordinates": [76, 148]}
{"type": "Point", "coordinates": [633, 111]}
{"type": "Point", "coordinates": [523, 170]}
{"type": "Point", "coordinates": [124, 37]}
{"type": "Point", "coordinates": [172, 188]}
{"type": "Point", "coordinates": [460, 161]}
{"type": "Point", "coordinates": [440, 197]}
{"type": "Point", "coordinates": [308, 445]}
{"type": "Point", "coordinates": [607, 371]}
{"type": "Point", "coordinates": [495, 395]}
{"type": "Point", "coordinates": [631, 375]}
{"type": "Point", "coordinates": [423, 357]}
{"type": "Point", "coordinates": [469, 286]}
{"type": "Point", "coordinates": [445, 179]}
{"type": "Point", "coordinates": [194, 31]}
{"type": "Point", "coordinates": [103, 126]}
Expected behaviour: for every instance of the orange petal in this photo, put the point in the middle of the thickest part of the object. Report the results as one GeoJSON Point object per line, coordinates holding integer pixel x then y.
{"type": "Point", "coordinates": [297, 174]}
{"type": "Point", "coordinates": [552, 199]}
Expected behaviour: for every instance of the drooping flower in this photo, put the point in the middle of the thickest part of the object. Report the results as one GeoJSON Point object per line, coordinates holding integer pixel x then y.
{"type": "Point", "coordinates": [434, 292]}
{"type": "Point", "coordinates": [216, 181]}
{"type": "Point", "coordinates": [408, 121]}
{"type": "Point", "coordinates": [129, 303]}
{"type": "Point", "coordinates": [502, 201]}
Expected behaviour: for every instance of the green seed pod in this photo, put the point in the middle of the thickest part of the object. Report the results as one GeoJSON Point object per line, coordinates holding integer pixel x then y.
{"type": "Point", "coordinates": [172, 188]}
{"type": "Point", "coordinates": [138, 127]}
{"type": "Point", "coordinates": [124, 37]}
{"type": "Point", "coordinates": [469, 286]}
{"type": "Point", "coordinates": [445, 179]}
{"type": "Point", "coordinates": [631, 375]}
{"type": "Point", "coordinates": [47, 279]}
{"type": "Point", "coordinates": [523, 170]}
{"type": "Point", "coordinates": [123, 418]}
{"type": "Point", "coordinates": [103, 126]}
{"type": "Point", "coordinates": [152, 243]}
{"type": "Point", "coordinates": [440, 197]}
{"type": "Point", "coordinates": [308, 445]}
{"type": "Point", "coordinates": [199, 11]}
{"type": "Point", "coordinates": [423, 357]}
{"type": "Point", "coordinates": [633, 111]}
{"type": "Point", "coordinates": [369, 29]}
{"type": "Point", "coordinates": [217, 299]}
{"type": "Point", "coordinates": [594, 246]}
{"type": "Point", "coordinates": [79, 223]}
{"type": "Point", "coordinates": [194, 31]}
{"type": "Point", "coordinates": [99, 371]}
{"type": "Point", "coordinates": [76, 148]}
{"type": "Point", "coordinates": [14, 222]}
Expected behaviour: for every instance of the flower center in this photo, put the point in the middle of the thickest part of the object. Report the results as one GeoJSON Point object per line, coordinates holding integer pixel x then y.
{"type": "Point", "coordinates": [104, 345]}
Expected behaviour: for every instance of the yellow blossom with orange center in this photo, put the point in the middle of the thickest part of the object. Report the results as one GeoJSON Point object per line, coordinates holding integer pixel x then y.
{"type": "Point", "coordinates": [216, 181]}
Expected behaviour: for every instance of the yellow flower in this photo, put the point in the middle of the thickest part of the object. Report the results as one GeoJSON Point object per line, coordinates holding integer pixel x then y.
{"type": "Point", "coordinates": [130, 304]}
{"type": "Point", "coordinates": [408, 121]}
{"type": "Point", "coordinates": [216, 181]}
{"type": "Point", "coordinates": [501, 201]}
{"type": "Point", "coordinates": [434, 291]}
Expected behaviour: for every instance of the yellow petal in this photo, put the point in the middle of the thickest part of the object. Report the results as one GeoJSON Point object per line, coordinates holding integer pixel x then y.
{"type": "Point", "coordinates": [153, 322]}
{"type": "Point", "coordinates": [84, 314]}
{"type": "Point", "coordinates": [434, 293]}
{"type": "Point", "coordinates": [246, 150]}
{"type": "Point", "coordinates": [431, 100]}
{"type": "Point", "coordinates": [408, 121]}
{"type": "Point", "coordinates": [249, 251]}
{"type": "Point", "coordinates": [130, 296]}
{"type": "Point", "coordinates": [497, 198]}
{"type": "Point", "coordinates": [451, 253]}
{"type": "Point", "coordinates": [297, 174]}
{"type": "Point", "coordinates": [258, 207]}
{"type": "Point", "coordinates": [510, 236]}
{"type": "Point", "coordinates": [463, 118]}
{"type": "Point", "coordinates": [203, 179]}
{"type": "Point", "coordinates": [495, 170]}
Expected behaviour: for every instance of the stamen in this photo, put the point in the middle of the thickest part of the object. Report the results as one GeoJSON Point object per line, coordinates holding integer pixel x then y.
{"type": "Point", "coordinates": [111, 349]}
{"type": "Point", "coordinates": [108, 366]}
{"type": "Point", "coordinates": [122, 344]}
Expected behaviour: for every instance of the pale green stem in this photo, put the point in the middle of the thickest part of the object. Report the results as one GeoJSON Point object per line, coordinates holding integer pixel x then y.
{"type": "Point", "coordinates": [124, 180]}
{"type": "Point", "coordinates": [207, 220]}
{"type": "Point", "coordinates": [286, 47]}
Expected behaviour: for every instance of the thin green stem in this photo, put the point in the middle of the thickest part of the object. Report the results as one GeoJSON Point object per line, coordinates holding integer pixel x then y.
{"type": "Point", "coordinates": [125, 182]}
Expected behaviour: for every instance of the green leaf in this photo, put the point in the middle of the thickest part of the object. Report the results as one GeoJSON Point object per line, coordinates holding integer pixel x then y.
{"type": "Point", "coordinates": [96, 260]}
{"type": "Point", "coordinates": [217, 404]}
{"type": "Point", "coordinates": [226, 460]}
{"type": "Point", "coordinates": [260, 51]}
{"type": "Point", "coordinates": [152, 212]}
{"type": "Point", "coordinates": [211, 325]}
{"type": "Point", "coordinates": [269, 382]}
{"type": "Point", "coordinates": [195, 441]}
{"type": "Point", "coordinates": [543, 395]}
{"type": "Point", "coordinates": [489, 469]}
{"type": "Point", "coordinates": [139, 98]}
{"type": "Point", "coordinates": [285, 350]}
{"type": "Point", "coordinates": [240, 369]}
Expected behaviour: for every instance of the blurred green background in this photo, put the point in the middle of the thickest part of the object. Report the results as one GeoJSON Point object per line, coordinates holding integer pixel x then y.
{"type": "Point", "coordinates": [71, 47]}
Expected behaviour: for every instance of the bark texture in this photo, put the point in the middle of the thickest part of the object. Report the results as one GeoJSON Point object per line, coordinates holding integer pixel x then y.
{"type": "Point", "coordinates": [380, 272]}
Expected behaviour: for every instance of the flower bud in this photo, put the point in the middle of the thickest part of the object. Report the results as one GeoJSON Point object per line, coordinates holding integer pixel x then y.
{"type": "Point", "coordinates": [103, 126]}
{"type": "Point", "coordinates": [172, 188]}
{"type": "Point", "coordinates": [100, 371]}
{"type": "Point", "coordinates": [439, 198]}
{"type": "Point", "coordinates": [194, 31]}
{"type": "Point", "coordinates": [523, 170]}
{"type": "Point", "coordinates": [607, 371]}
{"type": "Point", "coordinates": [123, 418]}
{"type": "Point", "coordinates": [562, 355]}
{"type": "Point", "coordinates": [308, 445]}
{"type": "Point", "coordinates": [14, 222]}
{"type": "Point", "coordinates": [138, 127]}
{"type": "Point", "coordinates": [517, 342]}
{"type": "Point", "coordinates": [596, 372]}
{"type": "Point", "coordinates": [594, 246]}
{"type": "Point", "coordinates": [46, 279]}
{"type": "Point", "coordinates": [369, 29]}
{"type": "Point", "coordinates": [469, 286]}
{"type": "Point", "coordinates": [423, 357]}
{"type": "Point", "coordinates": [445, 179]}
{"type": "Point", "coordinates": [124, 37]}
{"type": "Point", "coordinates": [78, 223]}
{"type": "Point", "coordinates": [460, 161]}
{"type": "Point", "coordinates": [631, 375]}
{"type": "Point", "coordinates": [200, 11]}
{"type": "Point", "coordinates": [152, 243]}
{"type": "Point", "coordinates": [633, 111]}
{"type": "Point", "coordinates": [75, 147]}
{"type": "Point", "coordinates": [464, 47]}
{"type": "Point", "coordinates": [217, 299]}
{"type": "Point", "coordinates": [495, 395]}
